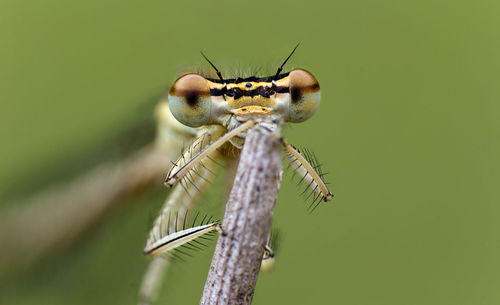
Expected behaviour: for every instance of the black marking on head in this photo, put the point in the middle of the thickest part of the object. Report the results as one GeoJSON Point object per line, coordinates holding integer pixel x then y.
{"type": "Point", "coordinates": [237, 92]}
{"type": "Point", "coordinates": [237, 80]}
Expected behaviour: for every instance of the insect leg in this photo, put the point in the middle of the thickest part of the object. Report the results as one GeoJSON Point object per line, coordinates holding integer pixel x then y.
{"type": "Point", "coordinates": [306, 167]}
{"type": "Point", "coordinates": [270, 250]}
{"type": "Point", "coordinates": [179, 201]}
{"type": "Point", "coordinates": [179, 238]}
{"type": "Point", "coordinates": [184, 165]}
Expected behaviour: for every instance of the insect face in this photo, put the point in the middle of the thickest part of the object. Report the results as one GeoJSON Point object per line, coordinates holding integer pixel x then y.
{"type": "Point", "coordinates": [293, 97]}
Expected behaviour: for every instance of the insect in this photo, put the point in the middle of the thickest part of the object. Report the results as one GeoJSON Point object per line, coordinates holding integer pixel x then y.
{"type": "Point", "coordinates": [219, 112]}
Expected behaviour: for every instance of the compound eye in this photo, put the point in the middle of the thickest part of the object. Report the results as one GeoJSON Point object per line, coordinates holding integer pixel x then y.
{"type": "Point", "coordinates": [304, 95]}
{"type": "Point", "coordinates": [189, 100]}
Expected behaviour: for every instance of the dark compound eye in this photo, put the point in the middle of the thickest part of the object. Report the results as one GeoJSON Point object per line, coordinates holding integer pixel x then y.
{"type": "Point", "coordinates": [304, 95]}
{"type": "Point", "coordinates": [190, 101]}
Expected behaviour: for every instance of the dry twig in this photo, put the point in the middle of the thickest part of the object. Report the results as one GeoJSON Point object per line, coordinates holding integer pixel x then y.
{"type": "Point", "coordinates": [247, 220]}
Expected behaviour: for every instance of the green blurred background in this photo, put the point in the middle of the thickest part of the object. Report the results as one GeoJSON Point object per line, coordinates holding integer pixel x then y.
{"type": "Point", "coordinates": [408, 131]}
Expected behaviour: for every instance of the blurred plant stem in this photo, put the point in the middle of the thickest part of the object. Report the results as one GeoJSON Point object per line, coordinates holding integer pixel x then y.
{"type": "Point", "coordinates": [51, 220]}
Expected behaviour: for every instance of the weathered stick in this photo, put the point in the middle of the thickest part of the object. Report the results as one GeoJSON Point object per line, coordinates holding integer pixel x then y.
{"type": "Point", "coordinates": [247, 220]}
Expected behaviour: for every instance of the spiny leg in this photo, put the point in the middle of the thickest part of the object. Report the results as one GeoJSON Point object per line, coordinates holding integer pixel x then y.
{"type": "Point", "coordinates": [309, 171]}
{"type": "Point", "coordinates": [187, 235]}
{"type": "Point", "coordinates": [180, 200]}
{"type": "Point", "coordinates": [182, 237]}
{"type": "Point", "coordinates": [199, 152]}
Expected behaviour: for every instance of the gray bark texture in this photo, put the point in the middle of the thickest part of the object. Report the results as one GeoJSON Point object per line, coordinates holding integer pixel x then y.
{"type": "Point", "coordinates": [247, 220]}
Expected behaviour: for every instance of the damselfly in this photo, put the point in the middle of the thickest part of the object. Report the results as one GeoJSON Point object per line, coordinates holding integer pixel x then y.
{"type": "Point", "coordinates": [212, 113]}
{"type": "Point", "coordinates": [220, 112]}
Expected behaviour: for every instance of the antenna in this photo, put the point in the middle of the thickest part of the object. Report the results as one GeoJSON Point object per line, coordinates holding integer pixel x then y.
{"type": "Point", "coordinates": [213, 66]}
{"type": "Point", "coordinates": [283, 64]}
